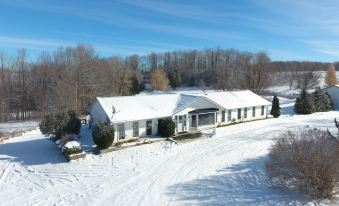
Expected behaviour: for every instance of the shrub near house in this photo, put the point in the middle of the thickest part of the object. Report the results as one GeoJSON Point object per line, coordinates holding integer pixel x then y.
{"type": "Point", "coordinates": [103, 135]}
{"type": "Point", "coordinates": [166, 127]}
{"type": "Point", "coordinates": [58, 124]}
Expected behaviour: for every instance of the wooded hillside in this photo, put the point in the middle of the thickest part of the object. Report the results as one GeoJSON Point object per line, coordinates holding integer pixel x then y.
{"type": "Point", "coordinates": [69, 78]}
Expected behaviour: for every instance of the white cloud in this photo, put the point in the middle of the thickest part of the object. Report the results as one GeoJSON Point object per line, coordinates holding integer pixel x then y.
{"type": "Point", "coordinates": [28, 42]}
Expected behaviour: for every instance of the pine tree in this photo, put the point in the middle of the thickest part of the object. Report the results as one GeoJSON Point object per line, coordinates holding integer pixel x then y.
{"type": "Point", "coordinates": [275, 111]}
{"type": "Point", "coordinates": [174, 78]}
{"type": "Point", "coordinates": [304, 104]}
{"type": "Point", "coordinates": [322, 101]}
{"type": "Point", "coordinates": [135, 86]}
{"type": "Point", "coordinates": [329, 102]}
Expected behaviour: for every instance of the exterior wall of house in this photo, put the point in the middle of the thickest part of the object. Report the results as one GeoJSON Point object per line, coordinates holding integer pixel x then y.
{"type": "Point", "coordinates": [234, 118]}
{"type": "Point", "coordinates": [333, 92]}
{"type": "Point", "coordinates": [234, 115]}
{"type": "Point", "coordinates": [98, 114]}
{"type": "Point", "coordinates": [129, 129]}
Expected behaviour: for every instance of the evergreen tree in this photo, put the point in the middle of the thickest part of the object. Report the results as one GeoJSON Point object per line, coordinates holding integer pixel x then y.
{"type": "Point", "coordinates": [322, 101]}
{"type": "Point", "coordinates": [135, 85]}
{"type": "Point", "coordinates": [275, 111]}
{"type": "Point", "coordinates": [174, 78]}
{"type": "Point", "coordinates": [330, 103]}
{"type": "Point", "coordinates": [304, 104]}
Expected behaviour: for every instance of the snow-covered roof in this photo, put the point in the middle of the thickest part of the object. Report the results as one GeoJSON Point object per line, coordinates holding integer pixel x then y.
{"type": "Point", "coordinates": [130, 108]}
{"type": "Point", "coordinates": [236, 99]}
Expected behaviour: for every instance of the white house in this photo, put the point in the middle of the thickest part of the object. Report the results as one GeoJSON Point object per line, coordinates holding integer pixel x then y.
{"type": "Point", "coordinates": [333, 92]}
{"type": "Point", "coordinates": [137, 116]}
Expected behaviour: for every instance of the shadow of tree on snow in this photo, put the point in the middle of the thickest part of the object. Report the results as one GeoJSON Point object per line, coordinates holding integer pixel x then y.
{"type": "Point", "coordinates": [32, 152]}
{"type": "Point", "coordinates": [241, 184]}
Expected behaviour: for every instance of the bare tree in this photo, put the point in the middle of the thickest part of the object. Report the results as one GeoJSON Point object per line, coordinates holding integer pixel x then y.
{"type": "Point", "coordinates": [223, 74]}
{"type": "Point", "coordinates": [309, 79]}
{"type": "Point", "coordinates": [307, 161]}
{"type": "Point", "coordinates": [331, 77]}
{"type": "Point", "coordinates": [159, 80]}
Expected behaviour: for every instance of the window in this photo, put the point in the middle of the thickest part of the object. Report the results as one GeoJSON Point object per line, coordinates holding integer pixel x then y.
{"type": "Point", "coordinates": [262, 110]}
{"type": "Point", "coordinates": [239, 113]}
{"type": "Point", "coordinates": [149, 127]}
{"type": "Point", "coordinates": [223, 116]}
{"type": "Point", "coordinates": [229, 115]}
{"type": "Point", "coordinates": [135, 129]}
{"type": "Point", "coordinates": [121, 129]}
{"type": "Point", "coordinates": [194, 120]}
{"type": "Point", "coordinates": [206, 119]}
{"type": "Point", "coordinates": [253, 112]}
{"type": "Point", "coordinates": [245, 113]}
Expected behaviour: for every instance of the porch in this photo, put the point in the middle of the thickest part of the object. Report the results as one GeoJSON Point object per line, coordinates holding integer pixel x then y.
{"type": "Point", "coordinates": [196, 120]}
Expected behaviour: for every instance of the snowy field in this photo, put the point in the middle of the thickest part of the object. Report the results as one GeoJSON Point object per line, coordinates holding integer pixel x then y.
{"type": "Point", "coordinates": [227, 169]}
{"type": "Point", "coordinates": [19, 126]}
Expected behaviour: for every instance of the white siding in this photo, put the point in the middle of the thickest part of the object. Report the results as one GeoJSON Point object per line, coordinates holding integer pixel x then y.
{"type": "Point", "coordinates": [154, 127]}
{"type": "Point", "coordinates": [129, 129]}
{"type": "Point", "coordinates": [234, 115]}
{"type": "Point", "coordinates": [142, 128]}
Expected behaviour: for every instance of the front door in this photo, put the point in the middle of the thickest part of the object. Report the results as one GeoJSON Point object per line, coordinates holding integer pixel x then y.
{"type": "Point", "coordinates": [121, 128]}
{"type": "Point", "coordinates": [180, 124]}
{"type": "Point", "coordinates": [194, 120]}
{"type": "Point", "coordinates": [149, 127]}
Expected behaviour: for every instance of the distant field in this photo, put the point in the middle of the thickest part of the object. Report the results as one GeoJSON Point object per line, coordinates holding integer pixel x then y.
{"type": "Point", "coordinates": [16, 126]}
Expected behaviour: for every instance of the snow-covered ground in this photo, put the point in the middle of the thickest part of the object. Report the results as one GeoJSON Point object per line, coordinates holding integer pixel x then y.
{"type": "Point", "coordinates": [19, 126]}
{"type": "Point", "coordinates": [227, 169]}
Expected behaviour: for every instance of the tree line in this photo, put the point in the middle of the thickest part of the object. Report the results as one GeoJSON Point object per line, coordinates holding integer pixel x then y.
{"type": "Point", "coordinates": [70, 77]}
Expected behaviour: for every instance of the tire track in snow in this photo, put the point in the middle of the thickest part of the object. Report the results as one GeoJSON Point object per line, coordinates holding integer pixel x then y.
{"type": "Point", "coordinates": [211, 144]}
{"type": "Point", "coordinates": [5, 174]}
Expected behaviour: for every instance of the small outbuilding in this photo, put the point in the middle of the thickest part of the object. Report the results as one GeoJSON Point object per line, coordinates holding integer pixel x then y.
{"type": "Point", "coordinates": [138, 116]}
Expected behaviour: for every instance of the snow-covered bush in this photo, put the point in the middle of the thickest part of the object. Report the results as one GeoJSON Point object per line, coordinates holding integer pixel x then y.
{"type": "Point", "coordinates": [71, 147]}
{"type": "Point", "coordinates": [166, 127]}
{"type": "Point", "coordinates": [103, 135]}
{"type": "Point", "coordinates": [305, 160]}
{"type": "Point", "coordinates": [66, 138]}
{"type": "Point", "coordinates": [58, 124]}
{"type": "Point", "coordinates": [53, 124]}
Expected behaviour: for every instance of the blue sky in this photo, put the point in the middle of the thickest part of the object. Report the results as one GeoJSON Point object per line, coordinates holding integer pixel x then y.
{"type": "Point", "coordinates": [286, 29]}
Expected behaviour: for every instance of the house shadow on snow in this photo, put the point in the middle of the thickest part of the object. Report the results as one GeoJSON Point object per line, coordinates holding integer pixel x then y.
{"type": "Point", "coordinates": [242, 184]}
{"type": "Point", "coordinates": [32, 152]}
